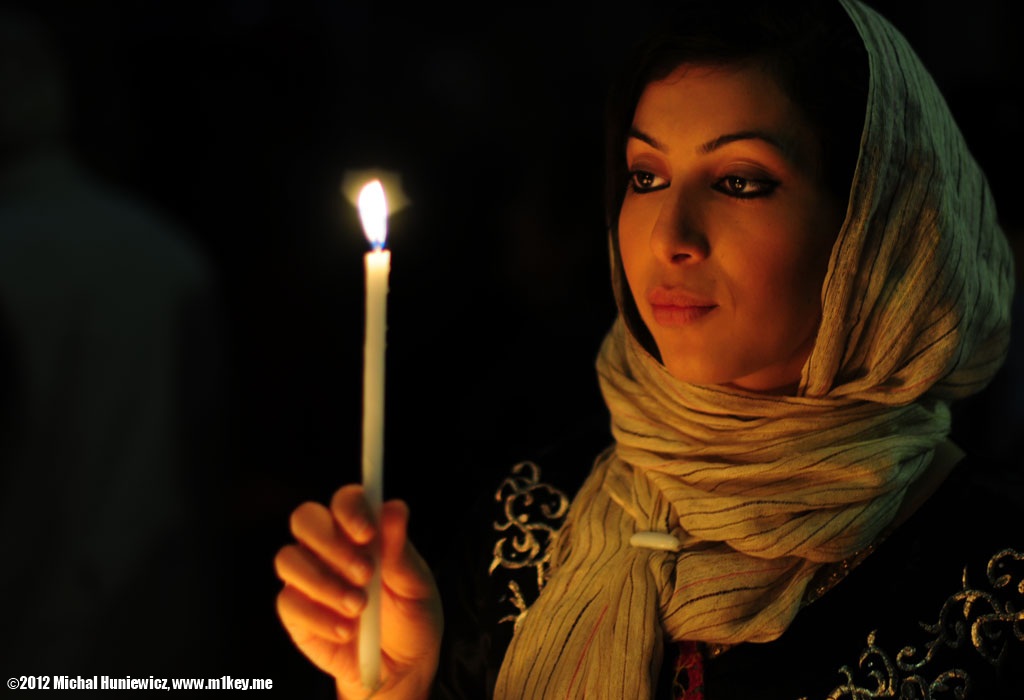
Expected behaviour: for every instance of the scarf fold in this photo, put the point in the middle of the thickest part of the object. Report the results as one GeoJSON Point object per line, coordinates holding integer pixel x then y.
{"type": "Point", "coordinates": [762, 491]}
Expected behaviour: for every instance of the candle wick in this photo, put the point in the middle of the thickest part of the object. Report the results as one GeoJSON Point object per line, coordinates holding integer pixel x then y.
{"type": "Point", "coordinates": [377, 246]}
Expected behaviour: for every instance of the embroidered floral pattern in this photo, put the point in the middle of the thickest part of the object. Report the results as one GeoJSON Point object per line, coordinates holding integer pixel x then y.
{"type": "Point", "coordinates": [533, 512]}
{"type": "Point", "coordinates": [986, 620]}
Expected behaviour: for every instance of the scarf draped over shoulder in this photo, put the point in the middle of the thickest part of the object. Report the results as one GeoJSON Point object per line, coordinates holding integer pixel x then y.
{"type": "Point", "coordinates": [762, 491]}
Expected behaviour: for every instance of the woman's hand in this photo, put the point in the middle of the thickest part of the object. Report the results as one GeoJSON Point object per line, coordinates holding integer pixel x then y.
{"type": "Point", "coordinates": [324, 575]}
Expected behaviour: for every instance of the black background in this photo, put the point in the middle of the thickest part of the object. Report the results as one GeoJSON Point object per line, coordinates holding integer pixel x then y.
{"type": "Point", "coordinates": [238, 120]}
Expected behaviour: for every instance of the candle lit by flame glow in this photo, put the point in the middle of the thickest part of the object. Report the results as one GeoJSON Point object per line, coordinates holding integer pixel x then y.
{"type": "Point", "coordinates": [373, 212]}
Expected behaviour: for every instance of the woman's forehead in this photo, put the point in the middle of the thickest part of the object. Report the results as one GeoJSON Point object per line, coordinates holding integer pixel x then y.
{"type": "Point", "coordinates": [701, 108]}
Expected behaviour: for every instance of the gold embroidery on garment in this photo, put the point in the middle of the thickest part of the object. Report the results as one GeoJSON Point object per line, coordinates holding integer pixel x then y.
{"type": "Point", "coordinates": [829, 575]}
{"type": "Point", "coordinates": [518, 602]}
{"type": "Point", "coordinates": [987, 620]}
{"type": "Point", "coordinates": [533, 512]}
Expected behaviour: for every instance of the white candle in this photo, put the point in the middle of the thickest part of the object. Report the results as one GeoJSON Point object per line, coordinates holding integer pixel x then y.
{"type": "Point", "coordinates": [374, 215]}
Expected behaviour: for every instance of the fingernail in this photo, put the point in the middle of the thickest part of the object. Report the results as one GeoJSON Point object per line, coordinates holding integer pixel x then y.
{"type": "Point", "coordinates": [360, 571]}
{"type": "Point", "coordinates": [353, 601]}
{"type": "Point", "coordinates": [363, 528]}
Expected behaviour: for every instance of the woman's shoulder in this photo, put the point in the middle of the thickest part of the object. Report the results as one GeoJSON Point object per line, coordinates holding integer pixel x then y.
{"type": "Point", "coordinates": [935, 606]}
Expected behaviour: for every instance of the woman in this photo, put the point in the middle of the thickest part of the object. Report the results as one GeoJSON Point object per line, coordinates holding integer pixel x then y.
{"type": "Point", "coordinates": [803, 289]}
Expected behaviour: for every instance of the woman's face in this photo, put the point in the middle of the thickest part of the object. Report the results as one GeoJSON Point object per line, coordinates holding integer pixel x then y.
{"type": "Point", "coordinates": [726, 228]}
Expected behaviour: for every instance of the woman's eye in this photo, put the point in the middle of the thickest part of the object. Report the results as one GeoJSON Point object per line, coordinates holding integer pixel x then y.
{"type": "Point", "coordinates": [643, 181]}
{"type": "Point", "coordinates": [745, 188]}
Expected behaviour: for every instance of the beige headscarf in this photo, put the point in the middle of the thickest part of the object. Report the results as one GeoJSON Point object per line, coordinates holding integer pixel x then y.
{"type": "Point", "coordinates": [762, 491]}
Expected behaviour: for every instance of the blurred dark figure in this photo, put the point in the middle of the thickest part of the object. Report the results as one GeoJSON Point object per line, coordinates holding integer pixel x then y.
{"type": "Point", "coordinates": [110, 407]}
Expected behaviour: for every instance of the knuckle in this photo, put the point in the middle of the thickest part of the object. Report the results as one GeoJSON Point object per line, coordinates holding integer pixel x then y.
{"type": "Point", "coordinates": [347, 497]}
{"type": "Point", "coordinates": [304, 514]}
{"type": "Point", "coordinates": [284, 559]}
{"type": "Point", "coordinates": [281, 602]}
{"type": "Point", "coordinates": [285, 605]}
{"type": "Point", "coordinates": [287, 608]}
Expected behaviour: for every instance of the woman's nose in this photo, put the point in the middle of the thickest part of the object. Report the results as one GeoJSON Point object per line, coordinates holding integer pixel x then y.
{"type": "Point", "coordinates": [678, 235]}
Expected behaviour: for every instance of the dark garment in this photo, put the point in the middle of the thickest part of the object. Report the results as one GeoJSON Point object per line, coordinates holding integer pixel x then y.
{"type": "Point", "coordinates": [914, 578]}
{"type": "Point", "coordinates": [933, 570]}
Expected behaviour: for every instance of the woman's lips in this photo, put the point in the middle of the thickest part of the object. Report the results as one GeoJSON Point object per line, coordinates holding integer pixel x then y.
{"type": "Point", "coordinates": [673, 307]}
{"type": "Point", "coordinates": [679, 315]}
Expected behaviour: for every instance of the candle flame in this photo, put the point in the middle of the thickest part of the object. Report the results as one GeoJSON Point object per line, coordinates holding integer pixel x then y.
{"type": "Point", "coordinates": [373, 212]}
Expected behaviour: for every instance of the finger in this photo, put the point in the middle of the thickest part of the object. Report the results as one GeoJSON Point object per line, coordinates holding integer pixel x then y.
{"type": "Point", "coordinates": [301, 569]}
{"type": "Point", "coordinates": [394, 516]}
{"type": "Point", "coordinates": [305, 618]}
{"type": "Point", "coordinates": [315, 527]}
{"type": "Point", "coordinates": [352, 513]}
{"type": "Point", "coordinates": [403, 570]}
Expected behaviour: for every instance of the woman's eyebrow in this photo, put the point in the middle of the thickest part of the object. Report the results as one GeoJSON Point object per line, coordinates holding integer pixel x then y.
{"type": "Point", "coordinates": [635, 133]}
{"type": "Point", "coordinates": [719, 141]}
{"type": "Point", "coordinates": [724, 139]}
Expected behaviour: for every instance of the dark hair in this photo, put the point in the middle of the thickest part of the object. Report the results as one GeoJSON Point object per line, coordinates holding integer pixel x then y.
{"type": "Point", "coordinates": [812, 49]}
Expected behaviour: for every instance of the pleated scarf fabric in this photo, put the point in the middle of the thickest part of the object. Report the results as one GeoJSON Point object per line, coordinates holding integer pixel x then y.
{"type": "Point", "coordinates": [762, 491]}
